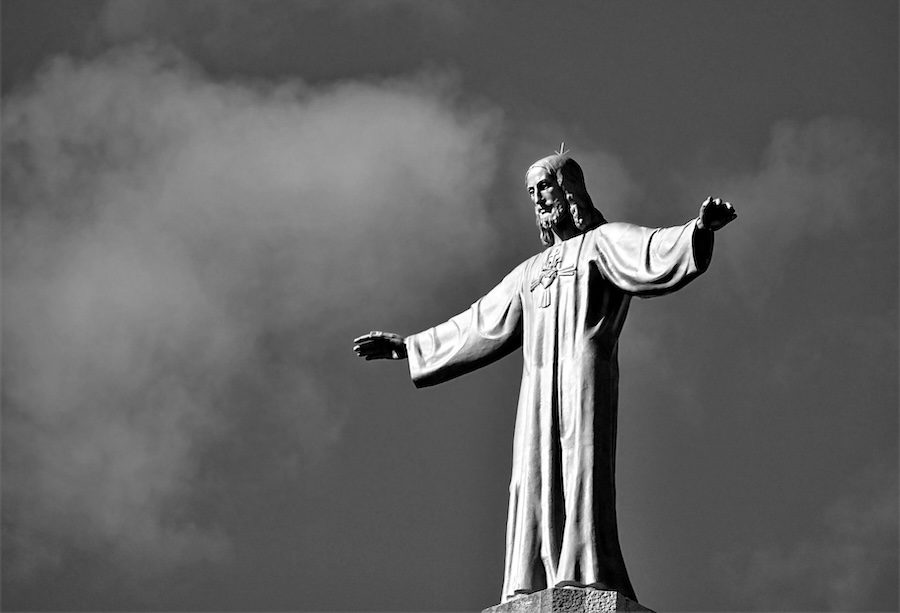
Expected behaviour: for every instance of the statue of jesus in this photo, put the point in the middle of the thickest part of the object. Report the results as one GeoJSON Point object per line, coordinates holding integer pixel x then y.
{"type": "Point", "coordinates": [565, 308]}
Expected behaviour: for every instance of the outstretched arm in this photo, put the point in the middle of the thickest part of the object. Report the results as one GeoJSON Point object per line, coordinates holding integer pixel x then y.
{"type": "Point", "coordinates": [486, 331]}
{"type": "Point", "coordinates": [380, 346]}
{"type": "Point", "coordinates": [655, 261]}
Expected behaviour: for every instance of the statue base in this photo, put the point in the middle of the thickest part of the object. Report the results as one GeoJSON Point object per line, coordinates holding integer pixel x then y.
{"type": "Point", "coordinates": [569, 600]}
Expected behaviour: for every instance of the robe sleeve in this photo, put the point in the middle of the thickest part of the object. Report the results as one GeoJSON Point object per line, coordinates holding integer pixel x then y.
{"type": "Point", "coordinates": [489, 330]}
{"type": "Point", "coordinates": [651, 261]}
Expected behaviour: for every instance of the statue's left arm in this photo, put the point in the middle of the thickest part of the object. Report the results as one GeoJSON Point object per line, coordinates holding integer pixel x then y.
{"type": "Point", "coordinates": [655, 261]}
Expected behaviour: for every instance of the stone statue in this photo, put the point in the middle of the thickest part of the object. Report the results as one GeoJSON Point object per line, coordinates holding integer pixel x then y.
{"type": "Point", "coordinates": [565, 308]}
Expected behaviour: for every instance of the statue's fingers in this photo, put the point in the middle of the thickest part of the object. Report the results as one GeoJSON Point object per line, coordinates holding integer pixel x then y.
{"type": "Point", "coordinates": [369, 348]}
{"type": "Point", "coordinates": [370, 337]}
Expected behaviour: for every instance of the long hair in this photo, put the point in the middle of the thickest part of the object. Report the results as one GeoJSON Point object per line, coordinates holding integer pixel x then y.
{"type": "Point", "coordinates": [570, 178]}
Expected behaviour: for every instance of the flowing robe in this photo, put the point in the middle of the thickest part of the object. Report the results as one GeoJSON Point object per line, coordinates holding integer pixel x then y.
{"type": "Point", "coordinates": [565, 307]}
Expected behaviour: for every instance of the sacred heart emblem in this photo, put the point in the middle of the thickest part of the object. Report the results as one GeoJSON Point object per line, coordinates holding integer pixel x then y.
{"type": "Point", "coordinates": [549, 271]}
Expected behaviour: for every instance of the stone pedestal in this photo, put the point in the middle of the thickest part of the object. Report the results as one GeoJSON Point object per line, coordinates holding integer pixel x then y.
{"type": "Point", "coordinates": [569, 600]}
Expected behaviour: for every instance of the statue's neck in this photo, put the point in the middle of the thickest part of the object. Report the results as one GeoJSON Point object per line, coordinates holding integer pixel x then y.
{"type": "Point", "coordinates": [568, 230]}
{"type": "Point", "coordinates": [565, 231]}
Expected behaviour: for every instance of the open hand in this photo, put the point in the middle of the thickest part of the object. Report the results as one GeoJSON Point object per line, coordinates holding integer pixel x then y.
{"type": "Point", "coordinates": [715, 214]}
{"type": "Point", "coordinates": [380, 346]}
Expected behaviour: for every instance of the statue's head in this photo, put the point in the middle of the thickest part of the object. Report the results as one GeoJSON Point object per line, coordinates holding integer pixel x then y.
{"type": "Point", "coordinates": [557, 189]}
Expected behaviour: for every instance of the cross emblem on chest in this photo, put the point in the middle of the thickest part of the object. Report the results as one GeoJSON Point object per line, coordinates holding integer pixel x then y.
{"type": "Point", "coordinates": [551, 269]}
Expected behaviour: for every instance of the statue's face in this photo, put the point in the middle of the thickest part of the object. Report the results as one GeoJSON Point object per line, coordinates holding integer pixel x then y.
{"type": "Point", "coordinates": [547, 195]}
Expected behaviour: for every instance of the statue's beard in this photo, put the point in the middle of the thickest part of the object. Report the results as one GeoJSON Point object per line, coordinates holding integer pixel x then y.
{"type": "Point", "coordinates": [552, 219]}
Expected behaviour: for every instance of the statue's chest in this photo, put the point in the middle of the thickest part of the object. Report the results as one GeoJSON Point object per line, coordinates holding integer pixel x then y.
{"type": "Point", "coordinates": [550, 268]}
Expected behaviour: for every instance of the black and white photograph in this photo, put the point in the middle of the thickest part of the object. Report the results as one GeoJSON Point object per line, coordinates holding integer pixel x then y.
{"type": "Point", "coordinates": [463, 306]}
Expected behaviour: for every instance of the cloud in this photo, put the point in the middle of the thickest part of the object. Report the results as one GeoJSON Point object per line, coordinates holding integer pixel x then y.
{"type": "Point", "coordinates": [819, 205]}
{"type": "Point", "coordinates": [180, 257]}
{"type": "Point", "coordinates": [849, 565]}
{"type": "Point", "coordinates": [823, 179]}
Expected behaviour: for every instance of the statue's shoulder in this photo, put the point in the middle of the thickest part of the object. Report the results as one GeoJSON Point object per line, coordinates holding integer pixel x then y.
{"type": "Point", "coordinates": [525, 267]}
{"type": "Point", "coordinates": [526, 270]}
{"type": "Point", "coordinates": [522, 269]}
{"type": "Point", "coordinates": [616, 227]}
{"type": "Point", "coordinates": [614, 230]}
{"type": "Point", "coordinates": [530, 261]}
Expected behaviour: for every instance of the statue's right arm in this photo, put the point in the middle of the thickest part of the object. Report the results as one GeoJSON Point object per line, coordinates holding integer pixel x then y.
{"type": "Point", "coordinates": [380, 346]}
{"type": "Point", "coordinates": [484, 332]}
{"type": "Point", "coordinates": [488, 330]}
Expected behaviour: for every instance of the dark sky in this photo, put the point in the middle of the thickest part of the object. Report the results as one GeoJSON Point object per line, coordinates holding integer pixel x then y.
{"type": "Point", "coordinates": [205, 201]}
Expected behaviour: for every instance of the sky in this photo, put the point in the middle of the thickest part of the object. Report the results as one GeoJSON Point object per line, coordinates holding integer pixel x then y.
{"type": "Point", "coordinates": [204, 202]}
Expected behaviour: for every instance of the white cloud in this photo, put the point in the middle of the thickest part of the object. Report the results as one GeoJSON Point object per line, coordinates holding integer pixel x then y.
{"type": "Point", "coordinates": [178, 254]}
{"type": "Point", "coordinates": [821, 179]}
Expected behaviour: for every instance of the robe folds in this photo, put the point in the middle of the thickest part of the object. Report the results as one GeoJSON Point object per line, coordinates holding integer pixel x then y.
{"type": "Point", "coordinates": [565, 308]}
